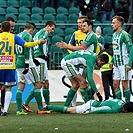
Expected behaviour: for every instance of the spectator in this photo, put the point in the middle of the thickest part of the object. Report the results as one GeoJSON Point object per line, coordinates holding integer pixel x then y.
{"type": "Point", "coordinates": [100, 38]}
{"type": "Point", "coordinates": [122, 9]}
{"type": "Point", "coordinates": [105, 9]}
{"type": "Point", "coordinates": [107, 72]}
{"type": "Point", "coordinates": [86, 8]}
{"type": "Point", "coordinates": [54, 3]}
{"type": "Point", "coordinates": [39, 3]}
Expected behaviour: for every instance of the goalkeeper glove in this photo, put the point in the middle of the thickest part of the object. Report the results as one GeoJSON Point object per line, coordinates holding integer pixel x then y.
{"type": "Point", "coordinates": [99, 96]}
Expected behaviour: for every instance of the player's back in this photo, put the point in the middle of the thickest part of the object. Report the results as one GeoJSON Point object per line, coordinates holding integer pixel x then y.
{"type": "Point", "coordinates": [115, 104]}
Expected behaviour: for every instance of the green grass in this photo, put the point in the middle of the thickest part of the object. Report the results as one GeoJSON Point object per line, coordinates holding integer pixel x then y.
{"type": "Point", "coordinates": [66, 123]}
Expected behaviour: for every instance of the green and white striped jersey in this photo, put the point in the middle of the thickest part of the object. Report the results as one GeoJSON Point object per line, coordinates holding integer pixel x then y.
{"type": "Point", "coordinates": [41, 49]}
{"type": "Point", "coordinates": [23, 52]}
{"type": "Point", "coordinates": [91, 41]}
{"type": "Point", "coordinates": [122, 49]}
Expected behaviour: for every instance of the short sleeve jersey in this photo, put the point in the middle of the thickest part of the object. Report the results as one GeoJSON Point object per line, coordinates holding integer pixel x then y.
{"type": "Point", "coordinates": [7, 50]}
{"type": "Point", "coordinates": [23, 52]}
{"type": "Point", "coordinates": [41, 49]}
{"type": "Point", "coordinates": [90, 42]}
{"type": "Point", "coordinates": [76, 39]}
{"type": "Point", "coordinates": [122, 48]}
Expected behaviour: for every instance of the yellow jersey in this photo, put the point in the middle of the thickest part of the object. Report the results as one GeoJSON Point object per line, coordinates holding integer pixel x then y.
{"type": "Point", "coordinates": [76, 39]}
{"type": "Point", "coordinates": [7, 51]}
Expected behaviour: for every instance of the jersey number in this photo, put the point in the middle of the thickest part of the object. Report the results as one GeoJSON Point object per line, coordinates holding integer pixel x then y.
{"type": "Point", "coordinates": [5, 45]}
{"type": "Point", "coordinates": [82, 52]}
{"type": "Point", "coordinates": [19, 49]}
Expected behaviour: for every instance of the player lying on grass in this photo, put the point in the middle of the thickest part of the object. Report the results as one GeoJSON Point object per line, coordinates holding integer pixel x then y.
{"type": "Point", "coordinates": [95, 107]}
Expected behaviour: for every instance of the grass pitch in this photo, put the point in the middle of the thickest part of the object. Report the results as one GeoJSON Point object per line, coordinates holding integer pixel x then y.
{"type": "Point", "coordinates": [65, 123]}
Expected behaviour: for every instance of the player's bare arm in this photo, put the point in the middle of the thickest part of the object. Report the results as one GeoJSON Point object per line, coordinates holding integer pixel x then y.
{"type": "Point", "coordinates": [65, 46]}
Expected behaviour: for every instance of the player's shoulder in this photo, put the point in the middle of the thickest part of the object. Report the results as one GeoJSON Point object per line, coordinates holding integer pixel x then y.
{"type": "Point", "coordinates": [79, 32]}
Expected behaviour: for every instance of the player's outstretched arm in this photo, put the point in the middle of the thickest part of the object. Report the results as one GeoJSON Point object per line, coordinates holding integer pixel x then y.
{"type": "Point", "coordinates": [32, 44]}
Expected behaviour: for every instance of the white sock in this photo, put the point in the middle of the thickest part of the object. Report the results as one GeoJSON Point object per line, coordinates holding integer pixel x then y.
{"type": "Point", "coordinates": [74, 100]}
{"type": "Point", "coordinates": [8, 97]}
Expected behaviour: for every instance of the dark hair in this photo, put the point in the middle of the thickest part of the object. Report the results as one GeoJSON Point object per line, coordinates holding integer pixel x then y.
{"type": "Point", "coordinates": [128, 107]}
{"type": "Point", "coordinates": [89, 22]}
{"type": "Point", "coordinates": [104, 58]}
{"type": "Point", "coordinates": [107, 45]}
{"type": "Point", "coordinates": [5, 26]}
{"type": "Point", "coordinates": [50, 23]}
{"type": "Point", "coordinates": [10, 19]}
{"type": "Point", "coordinates": [30, 25]}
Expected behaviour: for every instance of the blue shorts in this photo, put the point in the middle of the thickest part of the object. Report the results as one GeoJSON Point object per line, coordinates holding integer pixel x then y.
{"type": "Point", "coordinates": [7, 78]}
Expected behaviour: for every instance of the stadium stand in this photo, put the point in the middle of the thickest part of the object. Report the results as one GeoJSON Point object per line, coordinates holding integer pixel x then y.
{"type": "Point", "coordinates": [56, 38]}
{"type": "Point", "coordinates": [2, 14]}
{"type": "Point", "coordinates": [12, 10]}
{"type": "Point", "coordinates": [64, 3]}
{"type": "Point", "coordinates": [37, 10]}
{"type": "Point", "coordinates": [50, 10]}
{"type": "Point", "coordinates": [107, 31]}
{"type": "Point", "coordinates": [67, 38]}
{"type": "Point", "coordinates": [61, 17]}
{"type": "Point", "coordinates": [36, 17]}
{"type": "Point", "coordinates": [48, 17]}
{"type": "Point", "coordinates": [58, 31]}
{"type": "Point", "coordinates": [62, 10]}
{"type": "Point", "coordinates": [69, 31]}
{"type": "Point", "coordinates": [23, 17]}
{"type": "Point", "coordinates": [25, 10]}
{"type": "Point", "coordinates": [13, 3]}
{"type": "Point", "coordinates": [74, 10]}
{"type": "Point", "coordinates": [11, 15]}
{"type": "Point", "coordinates": [3, 3]}
{"type": "Point", "coordinates": [26, 3]}
{"type": "Point", "coordinates": [73, 17]}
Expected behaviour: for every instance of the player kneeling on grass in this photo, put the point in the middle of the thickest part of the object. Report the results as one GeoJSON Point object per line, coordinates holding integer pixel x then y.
{"type": "Point", "coordinates": [95, 107]}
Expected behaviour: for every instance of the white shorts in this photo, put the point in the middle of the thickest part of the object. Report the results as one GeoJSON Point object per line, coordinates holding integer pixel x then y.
{"type": "Point", "coordinates": [70, 70]}
{"type": "Point", "coordinates": [84, 107]}
{"type": "Point", "coordinates": [120, 73]}
{"type": "Point", "coordinates": [31, 77]}
{"type": "Point", "coordinates": [42, 69]}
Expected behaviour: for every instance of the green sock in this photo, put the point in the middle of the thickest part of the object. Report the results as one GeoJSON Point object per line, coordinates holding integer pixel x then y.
{"type": "Point", "coordinates": [127, 94]}
{"type": "Point", "coordinates": [70, 96]}
{"type": "Point", "coordinates": [118, 94]}
{"type": "Point", "coordinates": [30, 97]}
{"type": "Point", "coordinates": [57, 108]}
{"type": "Point", "coordinates": [84, 93]}
{"type": "Point", "coordinates": [46, 96]}
{"type": "Point", "coordinates": [90, 93]}
{"type": "Point", "coordinates": [19, 100]}
{"type": "Point", "coordinates": [37, 94]}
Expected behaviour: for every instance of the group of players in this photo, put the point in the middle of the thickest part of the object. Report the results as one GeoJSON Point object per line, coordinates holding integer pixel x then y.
{"type": "Point", "coordinates": [31, 66]}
